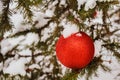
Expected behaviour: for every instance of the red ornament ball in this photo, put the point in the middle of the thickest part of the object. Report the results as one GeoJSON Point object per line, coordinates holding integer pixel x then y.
{"type": "Point", "coordinates": [95, 14]}
{"type": "Point", "coordinates": [75, 51]}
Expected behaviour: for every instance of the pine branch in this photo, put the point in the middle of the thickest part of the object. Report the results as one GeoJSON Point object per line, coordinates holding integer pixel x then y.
{"type": "Point", "coordinates": [70, 76]}
{"type": "Point", "coordinates": [60, 10]}
{"type": "Point", "coordinates": [104, 17]}
{"type": "Point", "coordinates": [25, 6]}
{"type": "Point", "coordinates": [72, 4]}
{"type": "Point", "coordinates": [92, 67]}
{"type": "Point", "coordinates": [5, 23]}
{"type": "Point", "coordinates": [117, 55]}
{"type": "Point", "coordinates": [114, 12]}
{"type": "Point", "coordinates": [105, 68]}
{"type": "Point", "coordinates": [89, 70]}
{"type": "Point", "coordinates": [34, 30]}
{"type": "Point", "coordinates": [113, 47]}
{"type": "Point", "coordinates": [48, 46]}
{"type": "Point", "coordinates": [26, 56]}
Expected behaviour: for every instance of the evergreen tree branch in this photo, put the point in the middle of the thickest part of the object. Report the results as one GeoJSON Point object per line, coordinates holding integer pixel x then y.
{"type": "Point", "coordinates": [70, 76]}
{"type": "Point", "coordinates": [89, 70]}
{"type": "Point", "coordinates": [48, 46]}
{"type": "Point", "coordinates": [113, 47]}
{"type": "Point", "coordinates": [92, 67]}
{"type": "Point", "coordinates": [5, 23]}
{"type": "Point", "coordinates": [114, 12]}
{"type": "Point", "coordinates": [104, 19]}
{"type": "Point", "coordinates": [25, 6]}
{"type": "Point", "coordinates": [34, 30]}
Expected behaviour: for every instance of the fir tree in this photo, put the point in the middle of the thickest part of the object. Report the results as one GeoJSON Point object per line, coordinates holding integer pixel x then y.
{"type": "Point", "coordinates": [30, 45]}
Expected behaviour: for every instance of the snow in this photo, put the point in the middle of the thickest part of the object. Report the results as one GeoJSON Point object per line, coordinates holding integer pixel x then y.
{"type": "Point", "coordinates": [39, 58]}
{"type": "Point", "coordinates": [25, 52]}
{"type": "Point", "coordinates": [12, 6]}
{"type": "Point", "coordinates": [33, 66]}
{"type": "Point", "coordinates": [39, 16]}
{"type": "Point", "coordinates": [63, 2]}
{"type": "Point", "coordinates": [80, 2]}
{"type": "Point", "coordinates": [30, 39]}
{"type": "Point", "coordinates": [64, 68]}
{"type": "Point", "coordinates": [48, 69]}
{"type": "Point", "coordinates": [69, 28]}
{"type": "Point", "coordinates": [46, 65]}
{"type": "Point", "coordinates": [42, 77]}
{"type": "Point", "coordinates": [16, 19]}
{"type": "Point", "coordinates": [98, 47]}
{"type": "Point", "coordinates": [90, 4]}
{"type": "Point", "coordinates": [103, 75]}
{"type": "Point", "coordinates": [1, 66]}
{"type": "Point", "coordinates": [98, 19]}
{"type": "Point", "coordinates": [49, 13]}
{"type": "Point", "coordinates": [16, 67]}
{"type": "Point", "coordinates": [47, 31]}
{"type": "Point", "coordinates": [52, 5]}
{"type": "Point", "coordinates": [8, 44]}
{"type": "Point", "coordinates": [105, 0]}
{"type": "Point", "coordinates": [1, 7]}
{"type": "Point", "coordinates": [5, 46]}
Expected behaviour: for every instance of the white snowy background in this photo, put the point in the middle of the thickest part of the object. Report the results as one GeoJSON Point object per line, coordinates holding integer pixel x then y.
{"type": "Point", "coordinates": [15, 66]}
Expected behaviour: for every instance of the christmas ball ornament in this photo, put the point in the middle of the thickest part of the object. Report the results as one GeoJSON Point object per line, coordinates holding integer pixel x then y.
{"type": "Point", "coordinates": [95, 14]}
{"type": "Point", "coordinates": [75, 51]}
